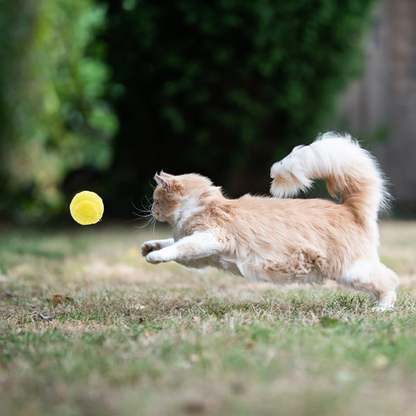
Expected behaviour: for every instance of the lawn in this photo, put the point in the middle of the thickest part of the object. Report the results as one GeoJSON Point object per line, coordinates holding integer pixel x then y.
{"type": "Point", "coordinates": [88, 328]}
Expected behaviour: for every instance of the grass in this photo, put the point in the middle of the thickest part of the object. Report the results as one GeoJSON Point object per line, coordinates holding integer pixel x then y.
{"type": "Point", "coordinates": [88, 328]}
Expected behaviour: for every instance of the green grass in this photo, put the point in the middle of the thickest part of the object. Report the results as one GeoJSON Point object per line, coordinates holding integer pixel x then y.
{"type": "Point", "coordinates": [132, 338]}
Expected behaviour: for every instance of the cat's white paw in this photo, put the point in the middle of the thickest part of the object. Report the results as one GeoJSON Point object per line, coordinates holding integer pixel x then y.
{"type": "Point", "coordinates": [383, 307]}
{"type": "Point", "coordinates": [154, 258]}
{"type": "Point", "coordinates": [150, 246]}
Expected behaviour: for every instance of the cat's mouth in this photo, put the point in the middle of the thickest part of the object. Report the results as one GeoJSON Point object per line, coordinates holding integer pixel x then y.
{"type": "Point", "coordinates": [156, 214]}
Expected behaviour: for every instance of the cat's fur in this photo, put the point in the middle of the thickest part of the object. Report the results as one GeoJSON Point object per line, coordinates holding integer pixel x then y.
{"type": "Point", "coordinates": [283, 240]}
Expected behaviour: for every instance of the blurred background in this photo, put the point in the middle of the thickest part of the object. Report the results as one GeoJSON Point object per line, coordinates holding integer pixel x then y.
{"type": "Point", "coordinates": [100, 94]}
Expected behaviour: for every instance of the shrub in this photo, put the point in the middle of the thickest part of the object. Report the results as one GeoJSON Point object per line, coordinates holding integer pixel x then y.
{"type": "Point", "coordinates": [225, 87]}
{"type": "Point", "coordinates": [52, 114]}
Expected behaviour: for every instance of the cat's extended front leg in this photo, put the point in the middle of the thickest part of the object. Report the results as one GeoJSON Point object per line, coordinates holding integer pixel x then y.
{"type": "Point", "coordinates": [154, 245]}
{"type": "Point", "coordinates": [195, 246]}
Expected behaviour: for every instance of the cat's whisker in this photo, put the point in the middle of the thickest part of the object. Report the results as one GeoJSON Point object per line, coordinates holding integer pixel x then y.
{"type": "Point", "coordinates": [143, 209]}
{"type": "Point", "coordinates": [149, 202]}
{"type": "Point", "coordinates": [144, 214]}
{"type": "Point", "coordinates": [140, 217]}
{"type": "Point", "coordinates": [148, 222]}
{"type": "Point", "coordinates": [151, 184]}
{"type": "Point", "coordinates": [154, 227]}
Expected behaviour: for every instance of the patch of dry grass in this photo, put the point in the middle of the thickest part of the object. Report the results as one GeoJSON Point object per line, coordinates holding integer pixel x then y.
{"type": "Point", "coordinates": [124, 337]}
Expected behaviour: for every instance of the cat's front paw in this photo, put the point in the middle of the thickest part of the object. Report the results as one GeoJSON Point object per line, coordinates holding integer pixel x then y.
{"type": "Point", "coordinates": [150, 246]}
{"type": "Point", "coordinates": [155, 258]}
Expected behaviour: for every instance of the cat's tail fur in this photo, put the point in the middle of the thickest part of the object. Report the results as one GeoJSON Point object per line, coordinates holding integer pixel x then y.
{"type": "Point", "coordinates": [345, 166]}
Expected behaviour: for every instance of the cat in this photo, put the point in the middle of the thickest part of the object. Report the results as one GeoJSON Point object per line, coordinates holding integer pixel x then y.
{"type": "Point", "coordinates": [279, 239]}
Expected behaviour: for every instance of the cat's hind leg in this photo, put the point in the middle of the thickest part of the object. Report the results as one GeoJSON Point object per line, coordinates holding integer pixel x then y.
{"type": "Point", "coordinates": [375, 279]}
{"type": "Point", "coordinates": [304, 262]}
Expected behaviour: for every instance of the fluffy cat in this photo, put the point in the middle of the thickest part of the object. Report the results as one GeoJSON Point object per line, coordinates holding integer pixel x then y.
{"type": "Point", "coordinates": [281, 240]}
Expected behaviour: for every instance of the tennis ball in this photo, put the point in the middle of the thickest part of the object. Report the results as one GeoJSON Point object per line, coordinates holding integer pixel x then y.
{"type": "Point", "coordinates": [86, 208]}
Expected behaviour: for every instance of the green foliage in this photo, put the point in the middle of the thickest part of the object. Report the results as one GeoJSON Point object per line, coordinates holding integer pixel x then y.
{"type": "Point", "coordinates": [52, 114]}
{"type": "Point", "coordinates": [220, 87]}
{"type": "Point", "coordinates": [225, 87]}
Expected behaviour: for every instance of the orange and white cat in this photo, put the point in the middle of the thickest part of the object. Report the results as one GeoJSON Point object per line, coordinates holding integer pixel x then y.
{"type": "Point", "coordinates": [279, 240]}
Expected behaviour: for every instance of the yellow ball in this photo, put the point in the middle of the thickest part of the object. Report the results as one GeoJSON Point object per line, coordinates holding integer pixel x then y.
{"type": "Point", "coordinates": [86, 208]}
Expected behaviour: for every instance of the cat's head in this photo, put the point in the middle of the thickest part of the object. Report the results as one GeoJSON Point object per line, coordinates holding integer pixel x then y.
{"type": "Point", "coordinates": [176, 194]}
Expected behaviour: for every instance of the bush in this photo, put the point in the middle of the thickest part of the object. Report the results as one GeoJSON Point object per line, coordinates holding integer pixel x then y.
{"type": "Point", "coordinates": [53, 117]}
{"type": "Point", "coordinates": [225, 87]}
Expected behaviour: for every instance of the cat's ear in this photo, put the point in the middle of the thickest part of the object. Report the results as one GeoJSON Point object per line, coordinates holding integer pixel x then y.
{"type": "Point", "coordinates": [162, 180]}
{"type": "Point", "coordinates": [166, 175]}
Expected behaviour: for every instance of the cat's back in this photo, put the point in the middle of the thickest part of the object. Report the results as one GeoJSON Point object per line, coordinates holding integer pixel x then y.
{"type": "Point", "coordinates": [298, 213]}
{"type": "Point", "coordinates": [263, 204]}
{"type": "Point", "coordinates": [265, 212]}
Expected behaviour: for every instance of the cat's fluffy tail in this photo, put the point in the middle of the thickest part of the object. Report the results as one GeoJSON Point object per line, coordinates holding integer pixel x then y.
{"type": "Point", "coordinates": [344, 165]}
